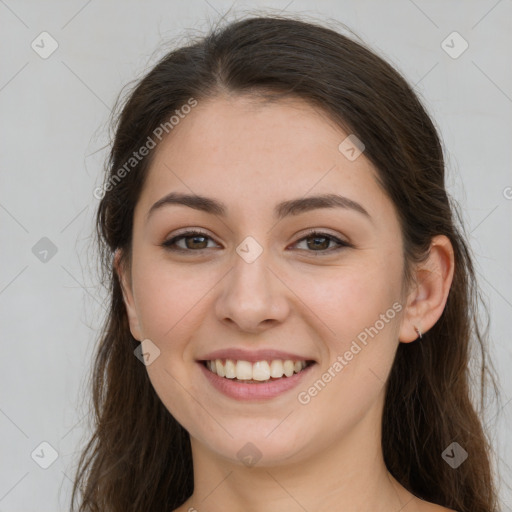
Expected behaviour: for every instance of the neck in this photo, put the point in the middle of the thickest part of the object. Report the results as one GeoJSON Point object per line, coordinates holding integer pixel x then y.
{"type": "Point", "coordinates": [348, 474]}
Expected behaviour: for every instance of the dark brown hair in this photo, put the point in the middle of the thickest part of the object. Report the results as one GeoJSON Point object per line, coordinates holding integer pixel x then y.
{"type": "Point", "coordinates": [139, 457]}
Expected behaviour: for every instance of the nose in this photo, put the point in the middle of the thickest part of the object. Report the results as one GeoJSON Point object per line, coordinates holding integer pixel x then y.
{"type": "Point", "coordinates": [253, 297]}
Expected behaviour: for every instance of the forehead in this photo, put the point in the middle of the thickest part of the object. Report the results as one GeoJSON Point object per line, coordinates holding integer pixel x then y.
{"type": "Point", "coordinates": [256, 154]}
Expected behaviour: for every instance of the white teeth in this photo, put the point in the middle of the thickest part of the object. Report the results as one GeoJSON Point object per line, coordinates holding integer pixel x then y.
{"type": "Point", "coordinates": [260, 370]}
{"type": "Point", "coordinates": [220, 368]}
{"type": "Point", "coordinates": [230, 369]}
{"type": "Point", "coordinates": [276, 368]}
{"type": "Point", "coordinates": [288, 368]}
{"type": "Point", "coordinates": [243, 370]}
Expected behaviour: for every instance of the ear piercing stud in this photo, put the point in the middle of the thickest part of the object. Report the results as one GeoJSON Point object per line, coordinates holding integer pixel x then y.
{"type": "Point", "coordinates": [418, 331]}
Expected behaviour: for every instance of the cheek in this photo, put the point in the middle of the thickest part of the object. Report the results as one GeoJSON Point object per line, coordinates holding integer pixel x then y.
{"type": "Point", "coordinates": [167, 297]}
{"type": "Point", "coordinates": [349, 299]}
{"type": "Point", "coordinates": [359, 309]}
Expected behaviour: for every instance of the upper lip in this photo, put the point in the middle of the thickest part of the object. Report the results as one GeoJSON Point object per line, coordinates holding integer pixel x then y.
{"type": "Point", "coordinates": [239, 354]}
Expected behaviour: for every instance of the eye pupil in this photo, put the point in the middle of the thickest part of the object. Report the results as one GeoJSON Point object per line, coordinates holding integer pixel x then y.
{"type": "Point", "coordinates": [321, 245]}
{"type": "Point", "coordinates": [316, 242]}
{"type": "Point", "coordinates": [194, 238]}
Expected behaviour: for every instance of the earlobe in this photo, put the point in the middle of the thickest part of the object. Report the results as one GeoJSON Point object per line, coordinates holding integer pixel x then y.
{"type": "Point", "coordinates": [126, 288]}
{"type": "Point", "coordinates": [427, 301]}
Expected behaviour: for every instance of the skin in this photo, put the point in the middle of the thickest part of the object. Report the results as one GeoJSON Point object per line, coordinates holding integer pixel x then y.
{"type": "Point", "coordinates": [325, 455]}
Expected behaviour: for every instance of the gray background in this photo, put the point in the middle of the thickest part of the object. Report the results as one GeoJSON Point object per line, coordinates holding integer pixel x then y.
{"type": "Point", "coordinates": [53, 135]}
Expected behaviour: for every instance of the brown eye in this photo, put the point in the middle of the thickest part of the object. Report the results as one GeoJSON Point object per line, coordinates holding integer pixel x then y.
{"type": "Point", "coordinates": [319, 242]}
{"type": "Point", "coordinates": [194, 241]}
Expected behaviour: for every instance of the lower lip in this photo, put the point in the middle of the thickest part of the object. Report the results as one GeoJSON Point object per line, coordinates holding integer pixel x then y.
{"type": "Point", "coordinates": [240, 391]}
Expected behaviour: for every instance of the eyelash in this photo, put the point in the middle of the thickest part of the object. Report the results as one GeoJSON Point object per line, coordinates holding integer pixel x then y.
{"type": "Point", "coordinates": [319, 234]}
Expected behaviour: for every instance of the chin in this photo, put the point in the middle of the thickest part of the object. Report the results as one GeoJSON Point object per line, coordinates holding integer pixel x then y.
{"type": "Point", "coordinates": [260, 446]}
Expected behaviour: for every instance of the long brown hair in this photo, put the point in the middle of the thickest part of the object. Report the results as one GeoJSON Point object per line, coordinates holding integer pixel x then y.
{"type": "Point", "coordinates": [139, 456]}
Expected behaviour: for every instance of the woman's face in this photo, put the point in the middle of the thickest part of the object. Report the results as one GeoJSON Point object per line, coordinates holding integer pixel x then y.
{"type": "Point", "coordinates": [254, 280]}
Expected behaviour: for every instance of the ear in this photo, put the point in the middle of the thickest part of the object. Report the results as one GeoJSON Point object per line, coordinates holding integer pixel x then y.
{"type": "Point", "coordinates": [426, 302]}
{"type": "Point", "coordinates": [126, 287]}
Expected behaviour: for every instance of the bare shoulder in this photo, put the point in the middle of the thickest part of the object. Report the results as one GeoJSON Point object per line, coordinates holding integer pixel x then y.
{"type": "Point", "coordinates": [424, 507]}
{"type": "Point", "coordinates": [416, 504]}
{"type": "Point", "coordinates": [185, 507]}
{"type": "Point", "coordinates": [432, 507]}
{"type": "Point", "coordinates": [439, 508]}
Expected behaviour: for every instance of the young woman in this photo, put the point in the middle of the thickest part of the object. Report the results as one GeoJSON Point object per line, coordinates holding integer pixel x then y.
{"type": "Point", "coordinates": [292, 302]}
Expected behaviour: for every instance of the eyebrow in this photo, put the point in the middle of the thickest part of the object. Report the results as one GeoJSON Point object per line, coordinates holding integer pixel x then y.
{"type": "Point", "coordinates": [281, 210]}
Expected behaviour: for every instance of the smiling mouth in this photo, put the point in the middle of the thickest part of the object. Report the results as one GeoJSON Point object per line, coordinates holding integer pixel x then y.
{"type": "Point", "coordinates": [255, 373]}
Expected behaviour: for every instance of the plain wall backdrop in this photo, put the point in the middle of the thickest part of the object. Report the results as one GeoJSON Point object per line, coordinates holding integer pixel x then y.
{"type": "Point", "coordinates": [54, 109]}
